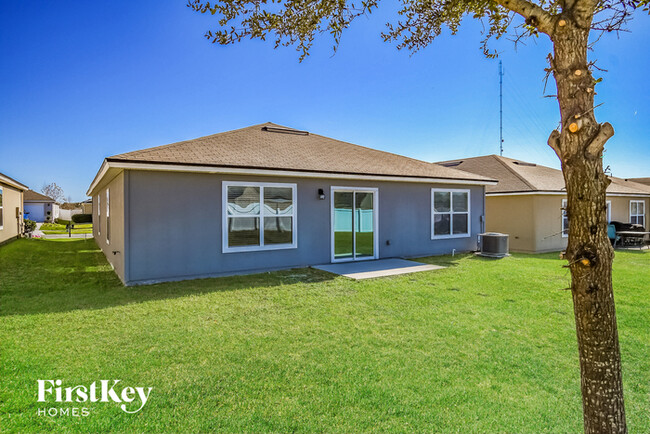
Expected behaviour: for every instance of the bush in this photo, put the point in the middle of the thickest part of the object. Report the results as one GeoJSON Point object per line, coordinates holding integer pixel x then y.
{"type": "Point", "coordinates": [29, 225]}
{"type": "Point", "coordinates": [82, 218]}
{"type": "Point", "coordinates": [62, 222]}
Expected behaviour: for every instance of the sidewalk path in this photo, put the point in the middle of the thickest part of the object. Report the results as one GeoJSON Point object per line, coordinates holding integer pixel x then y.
{"type": "Point", "coordinates": [58, 236]}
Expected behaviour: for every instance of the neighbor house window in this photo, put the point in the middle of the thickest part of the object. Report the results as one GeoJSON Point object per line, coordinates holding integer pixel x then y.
{"type": "Point", "coordinates": [2, 221]}
{"type": "Point", "coordinates": [99, 215]}
{"type": "Point", "coordinates": [108, 215]}
{"type": "Point", "coordinates": [609, 211]}
{"type": "Point", "coordinates": [565, 219]}
{"type": "Point", "coordinates": [258, 216]}
{"type": "Point", "coordinates": [450, 213]}
{"type": "Point", "coordinates": [637, 212]}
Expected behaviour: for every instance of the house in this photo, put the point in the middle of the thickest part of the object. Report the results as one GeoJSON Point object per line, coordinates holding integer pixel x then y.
{"type": "Point", "coordinates": [644, 181]}
{"type": "Point", "coordinates": [11, 208]}
{"type": "Point", "coordinates": [528, 202]}
{"type": "Point", "coordinates": [270, 197]}
{"type": "Point", "coordinates": [87, 206]}
{"type": "Point", "coordinates": [40, 208]}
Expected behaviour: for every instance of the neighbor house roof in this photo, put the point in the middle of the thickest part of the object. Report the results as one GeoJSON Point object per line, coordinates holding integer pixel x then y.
{"type": "Point", "coordinates": [516, 176]}
{"type": "Point", "coordinates": [274, 147]}
{"type": "Point", "coordinates": [4, 179]}
{"type": "Point", "coordinates": [32, 196]}
{"type": "Point", "coordinates": [644, 181]}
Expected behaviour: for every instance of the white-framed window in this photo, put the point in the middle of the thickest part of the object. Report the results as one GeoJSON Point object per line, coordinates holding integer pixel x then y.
{"type": "Point", "coordinates": [637, 212]}
{"type": "Point", "coordinates": [2, 220]}
{"type": "Point", "coordinates": [450, 213]}
{"type": "Point", "coordinates": [99, 214]}
{"type": "Point", "coordinates": [108, 216]}
{"type": "Point", "coordinates": [258, 216]}
{"type": "Point", "coordinates": [565, 219]}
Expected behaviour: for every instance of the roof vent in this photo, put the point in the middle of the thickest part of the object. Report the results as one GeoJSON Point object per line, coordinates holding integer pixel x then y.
{"type": "Point", "coordinates": [285, 131]}
{"type": "Point", "coordinates": [452, 163]}
{"type": "Point", "coordinates": [521, 163]}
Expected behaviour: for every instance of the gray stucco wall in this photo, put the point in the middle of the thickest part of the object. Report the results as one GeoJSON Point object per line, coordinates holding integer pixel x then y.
{"type": "Point", "coordinates": [173, 225]}
{"type": "Point", "coordinates": [100, 223]}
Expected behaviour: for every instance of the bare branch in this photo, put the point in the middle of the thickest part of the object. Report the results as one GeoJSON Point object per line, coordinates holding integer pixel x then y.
{"type": "Point", "coordinates": [533, 14]}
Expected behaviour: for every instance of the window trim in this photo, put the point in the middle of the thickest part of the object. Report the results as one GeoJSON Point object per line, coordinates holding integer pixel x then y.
{"type": "Point", "coordinates": [261, 247]}
{"type": "Point", "coordinates": [108, 216]}
{"type": "Point", "coordinates": [451, 213]}
{"type": "Point", "coordinates": [637, 201]}
{"type": "Point", "coordinates": [99, 213]}
{"type": "Point", "coordinates": [2, 207]}
{"type": "Point", "coordinates": [563, 210]}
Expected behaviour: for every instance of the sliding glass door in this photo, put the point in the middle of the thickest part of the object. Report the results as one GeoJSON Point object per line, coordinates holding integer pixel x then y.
{"type": "Point", "coordinates": [353, 225]}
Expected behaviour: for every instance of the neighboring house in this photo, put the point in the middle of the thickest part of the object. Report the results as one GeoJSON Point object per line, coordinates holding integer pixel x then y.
{"type": "Point", "coordinates": [40, 208]}
{"type": "Point", "coordinates": [268, 197]}
{"type": "Point", "coordinates": [644, 181]}
{"type": "Point", "coordinates": [11, 208]}
{"type": "Point", "coordinates": [87, 206]}
{"type": "Point", "coordinates": [528, 202]}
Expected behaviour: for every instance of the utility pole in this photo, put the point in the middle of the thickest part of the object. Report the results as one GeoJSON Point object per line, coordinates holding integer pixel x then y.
{"type": "Point", "coordinates": [500, 109]}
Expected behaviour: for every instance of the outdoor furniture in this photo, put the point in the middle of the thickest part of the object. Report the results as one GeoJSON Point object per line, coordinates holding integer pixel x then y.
{"type": "Point", "coordinates": [632, 237]}
{"type": "Point", "coordinates": [611, 233]}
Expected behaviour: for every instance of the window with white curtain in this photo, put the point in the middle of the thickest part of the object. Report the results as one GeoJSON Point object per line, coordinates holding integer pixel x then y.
{"type": "Point", "coordinates": [637, 212]}
{"type": "Point", "coordinates": [258, 216]}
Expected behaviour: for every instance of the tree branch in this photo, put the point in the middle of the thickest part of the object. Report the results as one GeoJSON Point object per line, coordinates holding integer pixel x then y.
{"type": "Point", "coordinates": [533, 14]}
{"type": "Point", "coordinates": [605, 132]}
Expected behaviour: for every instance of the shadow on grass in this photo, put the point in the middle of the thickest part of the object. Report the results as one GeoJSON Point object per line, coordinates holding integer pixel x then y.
{"type": "Point", "coordinates": [41, 276]}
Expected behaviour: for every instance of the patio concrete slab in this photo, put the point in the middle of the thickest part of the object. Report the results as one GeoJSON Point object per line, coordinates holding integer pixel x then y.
{"type": "Point", "coordinates": [378, 268]}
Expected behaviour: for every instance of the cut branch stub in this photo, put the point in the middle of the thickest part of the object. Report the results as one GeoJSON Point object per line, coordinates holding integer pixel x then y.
{"type": "Point", "coordinates": [575, 126]}
{"type": "Point", "coordinates": [554, 143]}
{"type": "Point", "coordinates": [605, 132]}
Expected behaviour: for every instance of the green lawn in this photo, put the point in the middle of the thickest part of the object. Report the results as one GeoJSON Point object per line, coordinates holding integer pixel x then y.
{"type": "Point", "coordinates": [482, 346]}
{"type": "Point", "coordinates": [56, 228]}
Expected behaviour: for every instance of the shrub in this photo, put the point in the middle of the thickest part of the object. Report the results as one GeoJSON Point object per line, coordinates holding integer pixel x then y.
{"type": "Point", "coordinates": [82, 218]}
{"type": "Point", "coordinates": [62, 222]}
{"type": "Point", "coordinates": [29, 225]}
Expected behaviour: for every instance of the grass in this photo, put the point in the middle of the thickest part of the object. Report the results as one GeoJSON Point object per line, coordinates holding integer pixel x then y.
{"type": "Point", "coordinates": [56, 228]}
{"type": "Point", "coordinates": [481, 346]}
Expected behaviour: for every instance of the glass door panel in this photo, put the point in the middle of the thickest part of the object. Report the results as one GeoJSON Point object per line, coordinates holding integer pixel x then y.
{"type": "Point", "coordinates": [364, 224]}
{"type": "Point", "coordinates": [343, 224]}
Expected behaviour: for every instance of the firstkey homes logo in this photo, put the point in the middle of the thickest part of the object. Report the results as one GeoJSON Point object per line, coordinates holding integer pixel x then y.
{"type": "Point", "coordinates": [131, 399]}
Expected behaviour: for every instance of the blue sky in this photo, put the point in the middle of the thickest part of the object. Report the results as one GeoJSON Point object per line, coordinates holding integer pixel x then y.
{"type": "Point", "coordinates": [81, 81]}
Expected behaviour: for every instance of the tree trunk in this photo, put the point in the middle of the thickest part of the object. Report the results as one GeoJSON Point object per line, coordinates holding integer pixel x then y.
{"type": "Point", "coordinates": [579, 146]}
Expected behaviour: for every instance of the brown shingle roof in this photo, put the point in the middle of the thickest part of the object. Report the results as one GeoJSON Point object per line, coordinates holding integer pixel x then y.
{"type": "Point", "coordinates": [271, 146]}
{"type": "Point", "coordinates": [31, 195]}
{"type": "Point", "coordinates": [644, 181]}
{"type": "Point", "coordinates": [520, 176]}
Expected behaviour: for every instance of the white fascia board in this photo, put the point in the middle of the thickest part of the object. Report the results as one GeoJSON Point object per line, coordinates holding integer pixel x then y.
{"type": "Point", "coordinates": [562, 193]}
{"type": "Point", "coordinates": [12, 183]}
{"type": "Point", "coordinates": [269, 172]}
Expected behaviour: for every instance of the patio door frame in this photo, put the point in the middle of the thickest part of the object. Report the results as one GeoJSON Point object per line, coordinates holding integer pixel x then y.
{"type": "Point", "coordinates": [375, 217]}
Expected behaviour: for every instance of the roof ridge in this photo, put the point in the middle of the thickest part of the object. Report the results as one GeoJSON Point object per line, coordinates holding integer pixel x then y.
{"type": "Point", "coordinates": [514, 172]}
{"type": "Point", "coordinates": [192, 140]}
